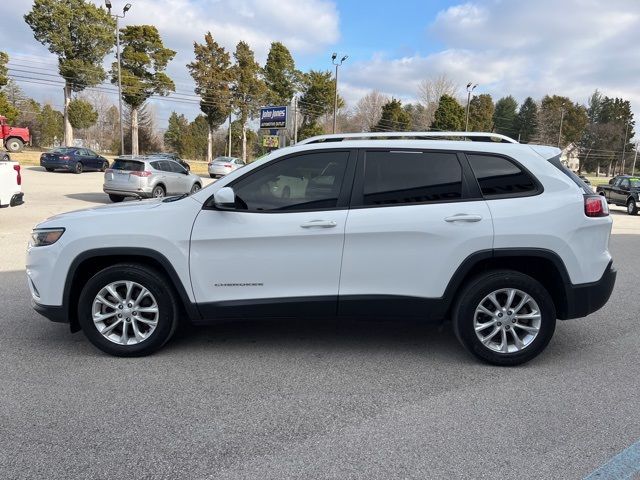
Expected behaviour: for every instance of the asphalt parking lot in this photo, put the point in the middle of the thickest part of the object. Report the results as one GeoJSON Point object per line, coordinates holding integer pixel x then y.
{"type": "Point", "coordinates": [290, 400]}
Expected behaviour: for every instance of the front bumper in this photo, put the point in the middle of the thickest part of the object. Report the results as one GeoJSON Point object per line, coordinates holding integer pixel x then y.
{"type": "Point", "coordinates": [56, 314]}
{"type": "Point", "coordinates": [587, 298]}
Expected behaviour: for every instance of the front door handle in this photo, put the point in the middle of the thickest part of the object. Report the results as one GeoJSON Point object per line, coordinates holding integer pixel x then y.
{"type": "Point", "coordinates": [463, 217]}
{"type": "Point", "coordinates": [319, 224]}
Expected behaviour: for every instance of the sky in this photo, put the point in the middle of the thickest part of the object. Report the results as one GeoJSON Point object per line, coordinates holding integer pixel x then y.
{"type": "Point", "coordinates": [517, 47]}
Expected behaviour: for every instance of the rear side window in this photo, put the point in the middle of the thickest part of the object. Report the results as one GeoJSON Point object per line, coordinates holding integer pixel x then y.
{"type": "Point", "coordinates": [128, 165]}
{"type": "Point", "coordinates": [396, 178]}
{"type": "Point", "coordinates": [500, 177]}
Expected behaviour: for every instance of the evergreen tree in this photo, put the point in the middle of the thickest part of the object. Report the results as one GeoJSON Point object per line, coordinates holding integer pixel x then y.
{"type": "Point", "coordinates": [175, 133]}
{"type": "Point", "coordinates": [317, 99]}
{"type": "Point", "coordinates": [82, 114]}
{"type": "Point", "coordinates": [554, 110]}
{"type": "Point", "coordinates": [449, 116]}
{"type": "Point", "coordinates": [481, 110]}
{"type": "Point", "coordinates": [394, 118]}
{"type": "Point", "coordinates": [504, 116]}
{"type": "Point", "coordinates": [144, 60]}
{"type": "Point", "coordinates": [80, 34]}
{"type": "Point", "coordinates": [51, 128]}
{"type": "Point", "coordinates": [280, 75]}
{"type": "Point", "coordinates": [526, 121]}
{"type": "Point", "coordinates": [211, 70]}
{"type": "Point", "coordinates": [249, 89]}
{"type": "Point", "coordinates": [4, 59]}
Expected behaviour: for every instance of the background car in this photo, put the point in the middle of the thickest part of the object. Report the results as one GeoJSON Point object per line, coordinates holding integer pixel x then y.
{"type": "Point", "coordinates": [173, 156]}
{"type": "Point", "coordinates": [148, 177]}
{"type": "Point", "coordinates": [220, 166]}
{"type": "Point", "coordinates": [10, 182]}
{"type": "Point", "coordinates": [73, 159]}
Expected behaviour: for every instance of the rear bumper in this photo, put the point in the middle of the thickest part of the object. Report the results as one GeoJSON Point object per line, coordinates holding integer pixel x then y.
{"type": "Point", "coordinates": [126, 193]}
{"type": "Point", "coordinates": [57, 165]}
{"type": "Point", "coordinates": [56, 314]}
{"type": "Point", "coordinates": [587, 298]}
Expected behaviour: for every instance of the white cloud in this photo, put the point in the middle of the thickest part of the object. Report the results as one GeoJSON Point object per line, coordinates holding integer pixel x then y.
{"type": "Point", "coordinates": [521, 47]}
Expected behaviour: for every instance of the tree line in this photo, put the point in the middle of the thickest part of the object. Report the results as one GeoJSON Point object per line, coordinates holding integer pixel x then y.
{"type": "Point", "coordinates": [82, 34]}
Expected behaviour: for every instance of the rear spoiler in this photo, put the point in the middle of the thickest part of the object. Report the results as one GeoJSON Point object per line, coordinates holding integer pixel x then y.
{"type": "Point", "coordinates": [545, 151]}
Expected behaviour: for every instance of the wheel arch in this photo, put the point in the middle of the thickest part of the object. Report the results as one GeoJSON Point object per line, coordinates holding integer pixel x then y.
{"type": "Point", "coordinates": [543, 265]}
{"type": "Point", "coordinates": [90, 262]}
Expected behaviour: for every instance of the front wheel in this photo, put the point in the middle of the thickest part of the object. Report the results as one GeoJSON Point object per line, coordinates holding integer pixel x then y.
{"type": "Point", "coordinates": [632, 207]}
{"type": "Point", "coordinates": [14, 145]}
{"type": "Point", "coordinates": [104, 166]}
{"type": "Point", "coordinates": [127, 310]}
{"type": "Point", "coordinates": [78, 168]}
{"type": "Point", "coordinates": [504, 317]}
{"type": "Point", "coordinates": [195, 188]}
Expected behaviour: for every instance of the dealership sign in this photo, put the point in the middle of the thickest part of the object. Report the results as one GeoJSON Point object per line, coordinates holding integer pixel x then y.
{"type": "Point", "coordinates": [273, 117]}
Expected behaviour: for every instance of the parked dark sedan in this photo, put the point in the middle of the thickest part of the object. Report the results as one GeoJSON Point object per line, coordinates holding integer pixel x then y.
{"type": "Point", "coordinates": [73, 159]}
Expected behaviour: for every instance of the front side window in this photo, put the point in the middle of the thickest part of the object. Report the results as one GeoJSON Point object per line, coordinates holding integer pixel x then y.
{"type": "Point", "coordinates": [405, 177]}
{"type": "Point", "coordinates": [625, 183]}
{"type": "Point", "coordinates": [498, 176]}
{"type": "Point", "coordinates": [304, 182]}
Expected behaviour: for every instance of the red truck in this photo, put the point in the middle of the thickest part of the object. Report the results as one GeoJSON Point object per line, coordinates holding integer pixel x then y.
{"type": "Point", "coordinates": [14, 138]}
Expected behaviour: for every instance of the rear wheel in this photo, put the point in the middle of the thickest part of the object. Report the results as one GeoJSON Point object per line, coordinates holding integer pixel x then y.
{"type": "Point", "coordinates": [116, 198]}
{"type": "Point", "coordinates": [632, 207]}
{"type": "Point", "coordinates": [212, 175]}
{"type": "Point", "coordinates": [14, 145]}
{"type": "Point", "coordinates": [78, 168]}
{"type": "Point", "coordinates": [104, 166]}
{"type": "Point", "coordinates": [128, 310]}
{"type": "Point", "coordinates": [49, 169]}
{"type": "Point", "coordinates": [196, 187]}
{"type": "Point", "coordinates": [504, 317]}
{"type": "Point", "coordinates": [158, 191]}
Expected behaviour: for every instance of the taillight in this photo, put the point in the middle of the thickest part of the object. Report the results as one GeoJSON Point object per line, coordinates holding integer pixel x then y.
{"type": "Point", "coordinates": [144, 173]}
{"type": "Point", "coordinates": [17, 169]}
{"type": "Point", "coordinates": [65, 157]}
{"type": "Point", "coordinates": [109, 170]}
{"type": "Point", "coordinates": [227, 165]}
{"type": "Point", "coordinates": [595, 206]}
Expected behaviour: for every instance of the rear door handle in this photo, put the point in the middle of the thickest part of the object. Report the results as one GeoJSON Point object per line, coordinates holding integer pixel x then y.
{"type": "Point", "coordinates": [319, 224]}
{"type": "Point", "coordinates": [463, 217]}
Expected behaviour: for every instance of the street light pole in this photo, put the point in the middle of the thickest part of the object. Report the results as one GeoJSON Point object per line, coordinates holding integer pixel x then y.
{"type": "Point", "coordinates": [635, 157]}
{"type": "Point", "coordinates": [118, 17]}
{"type": "Point", "coordinates": [335, 96]}
{"type": "Point", "coordinates": [624, 146]}
{"type": "Point", "coordinates": [470, 88]}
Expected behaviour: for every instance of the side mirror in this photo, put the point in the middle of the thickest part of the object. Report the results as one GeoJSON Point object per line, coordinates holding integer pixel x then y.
{"type": "Point", "coordinates": [225, 198]}
{"type": "Point", "coordinates": [185, 171]}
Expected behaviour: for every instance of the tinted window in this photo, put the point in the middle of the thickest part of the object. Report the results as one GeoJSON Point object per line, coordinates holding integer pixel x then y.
{"type": "Point", "coordinates": [411, 177]}
{"type": "Point", "coordinates": [129, 165]}
{"type": "Point", "coordinates": [175, 167]}
{"type": "Point", "coordinates": [310, 181]}
{"type": "Point", "coordinates": [498, 176]}
{"type": "Point", "coordinates": [617, 181]}
{"type": "Point", "coordinates": [155, 165]}
{"type": "Point", "coordinates": [625, 183]}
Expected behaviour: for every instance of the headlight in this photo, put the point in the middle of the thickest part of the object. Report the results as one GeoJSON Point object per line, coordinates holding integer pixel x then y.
{"type": "Point", "coordinates": [41, 237]}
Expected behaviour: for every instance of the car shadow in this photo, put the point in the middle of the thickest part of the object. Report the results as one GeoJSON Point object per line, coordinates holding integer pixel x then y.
{"type": "Point", "coordinates": [93, 197]}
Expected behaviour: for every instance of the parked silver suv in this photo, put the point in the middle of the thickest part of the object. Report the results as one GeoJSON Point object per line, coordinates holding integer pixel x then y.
{"type": "Point", "coordinates": [148, 176]}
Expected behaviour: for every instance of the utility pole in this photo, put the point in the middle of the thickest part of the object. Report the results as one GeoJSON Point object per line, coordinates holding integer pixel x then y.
{"type": "Point", "coordinates": [229, 134]}
{"type": "Point", "coordinates": [335, 97]}
{"type": "Point", "coordinates": [470, 88]}
{"type": "Point", "coordinates": [635, 157]}
{"type": "Point", "coordinates": [118, 17]}
{"type": "Point", "coordinates": [624, 146]}
{"type": "Point", "coordinates": [561, 120]}
{"type": "Point", "coordinates": [295, 120]}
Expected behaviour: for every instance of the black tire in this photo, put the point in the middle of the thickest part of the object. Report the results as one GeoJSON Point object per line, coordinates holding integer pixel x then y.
{"type": "Point", "coordinates": [158, 192]}
{"type": "Point", "coordinates": [632, 207]}
{"type": "Point", "coordinates": [104, 166]}
{"type": "Point", "coordinates": [156, 283]}
{"type": "Point", "coordinates": [472, 295]}
{"type": "Point", "coordinates": [79, 168]}
{"type": "Point", "coordinates": [195, 188]}
{"type": "Point", "coordinates": [14, 145]}
{"type": "Point", "coordinates": [212, 175]}
{"type": "Point", "coordinates": [49, 169]}
{"type": "Point", "coordinates": [116, 198]}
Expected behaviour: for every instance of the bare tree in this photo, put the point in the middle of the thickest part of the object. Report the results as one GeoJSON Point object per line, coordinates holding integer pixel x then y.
{"type": "Point", "coordinates": [368, 110]}
{"type": "Point", "coordinates": [104, 134]}
{"type": "Point", "coordinates": [430, 91]}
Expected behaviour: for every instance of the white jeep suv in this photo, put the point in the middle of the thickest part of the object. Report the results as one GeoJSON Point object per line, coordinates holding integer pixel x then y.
{"type": "Point", "coordinates": [497, 236]}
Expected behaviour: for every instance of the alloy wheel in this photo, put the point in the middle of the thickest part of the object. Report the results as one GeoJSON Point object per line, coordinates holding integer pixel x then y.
{"type": "Point", "coordinates": [507, 320]}
{"type": "Point", "coordinates": [125, 312]}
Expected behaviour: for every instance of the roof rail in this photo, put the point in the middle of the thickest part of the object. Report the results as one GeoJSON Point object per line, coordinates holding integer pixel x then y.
{"type": "Point", "coordinates": [467, 136]}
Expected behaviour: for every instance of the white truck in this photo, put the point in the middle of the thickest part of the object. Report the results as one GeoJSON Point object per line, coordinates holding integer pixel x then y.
{"type": "Point", "coordinates": [10, 182]}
